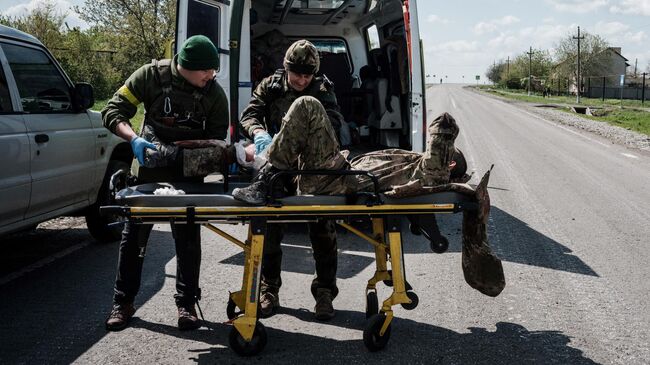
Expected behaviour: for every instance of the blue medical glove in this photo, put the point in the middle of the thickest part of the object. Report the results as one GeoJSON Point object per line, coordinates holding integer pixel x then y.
{"type": "Point", "coordinates": [262, 140]}
{"type": "Point", "coordinates": [138, 145]}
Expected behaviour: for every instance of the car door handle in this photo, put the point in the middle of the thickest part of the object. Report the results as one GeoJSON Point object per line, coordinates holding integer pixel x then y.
{"type": "Point", "coordinates": [41, 138]}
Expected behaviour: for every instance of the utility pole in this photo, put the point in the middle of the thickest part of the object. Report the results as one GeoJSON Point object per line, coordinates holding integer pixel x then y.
{"type": "Point", "coordinates": [508, 69]}
{"type": "Point", "coordinates": [578, 81]}
{"type": "Point", "coordinates": [530, 66]}
{"type": "Point", "coordinates": [643, 90]}
{"type": "Point", "coordinates": [636, 60]}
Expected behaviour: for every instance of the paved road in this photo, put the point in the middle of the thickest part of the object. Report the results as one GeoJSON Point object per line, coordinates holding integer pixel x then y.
{"type": "Point", "coordinates": [570, 220]}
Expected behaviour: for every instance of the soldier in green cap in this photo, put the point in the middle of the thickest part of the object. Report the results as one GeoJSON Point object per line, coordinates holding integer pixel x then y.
{"type": "Point", "coordinates": [264, 116]}
{"type": "Point", "coordinates": [184, 107]}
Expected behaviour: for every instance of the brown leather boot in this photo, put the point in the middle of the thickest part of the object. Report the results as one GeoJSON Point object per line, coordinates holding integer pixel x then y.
{"type": "Point", "coordinates": [269, 304]}
{"type": "Point", "coordinates": [120, 316]}
{"type": "Point", "coordinates": [324, 310]}
{"type": "Point", "coordinates": [187, 319]}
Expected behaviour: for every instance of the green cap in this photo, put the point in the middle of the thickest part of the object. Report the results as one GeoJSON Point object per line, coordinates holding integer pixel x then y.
{"type": "Point", "coordinates": [198, 53]}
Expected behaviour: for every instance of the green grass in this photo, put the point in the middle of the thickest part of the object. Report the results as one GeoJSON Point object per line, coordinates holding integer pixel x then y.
{"type": "Point", "coordinates": [561, 99]}
{"type": "Point", "coordinates": [635, 120]}
{"type": "Point", "coordinates": [136, 121]}
{"type": "Point", "coordinates": [628, 117]}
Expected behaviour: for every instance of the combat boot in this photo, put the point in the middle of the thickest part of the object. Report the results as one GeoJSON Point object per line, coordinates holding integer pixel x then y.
{"type": "Point", "coordinates": [324, 309]}
{"type": "Point", "coordinates": [255, 193]}
{"type": "Point", "coordinates": [120, 317]}
{"type": "Point", "coordinates": [269, 304]}
{"type": "Point", "coordinates": [187, 318]}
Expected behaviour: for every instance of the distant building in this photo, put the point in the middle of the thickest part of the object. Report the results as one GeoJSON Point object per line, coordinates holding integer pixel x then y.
{"type": "Point", "coordinates": [609, 63]}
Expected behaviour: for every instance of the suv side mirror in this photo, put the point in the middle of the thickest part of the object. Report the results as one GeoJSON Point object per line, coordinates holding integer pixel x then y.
{"type": "Point", "coordinates": [83, 96]}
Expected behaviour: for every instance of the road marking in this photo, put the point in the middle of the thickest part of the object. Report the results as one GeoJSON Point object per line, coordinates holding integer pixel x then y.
{"type": "Point", "coordinates": [38, 264]}
{"type": "Point", "coordinates": [453, 103]}
{"type": "Point", "coordinates": [566, 129]}
{"type": "Point", "coordinates": [629, 155]}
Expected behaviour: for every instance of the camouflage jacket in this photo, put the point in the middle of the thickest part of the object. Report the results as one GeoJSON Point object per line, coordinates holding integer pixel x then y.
{"type": "Point", "coordinates": [273, 97]}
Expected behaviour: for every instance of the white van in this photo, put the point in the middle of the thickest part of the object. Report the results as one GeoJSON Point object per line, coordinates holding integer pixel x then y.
{"type": "Point", "coordinates": [56, 157]}
{"type": "Point", "coordinates": [370, 50]}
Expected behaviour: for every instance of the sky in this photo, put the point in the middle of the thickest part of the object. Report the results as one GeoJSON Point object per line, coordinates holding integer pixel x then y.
{"type": "Point", "coordinates": [463, 38]}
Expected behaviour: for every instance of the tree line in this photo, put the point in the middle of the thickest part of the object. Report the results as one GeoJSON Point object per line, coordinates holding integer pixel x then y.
{"type": "Point", "coordinates": [547, 68]}
{"type": "Point", "coordinates": [122, 36]}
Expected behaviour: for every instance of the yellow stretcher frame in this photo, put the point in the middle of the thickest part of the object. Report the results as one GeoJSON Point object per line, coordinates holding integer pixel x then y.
{"type": "Point", "coordinates": [248, 336]}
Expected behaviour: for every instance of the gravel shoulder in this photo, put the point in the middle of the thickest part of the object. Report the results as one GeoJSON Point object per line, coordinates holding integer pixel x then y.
{"type": "Point", "coordinates": [553, 113]}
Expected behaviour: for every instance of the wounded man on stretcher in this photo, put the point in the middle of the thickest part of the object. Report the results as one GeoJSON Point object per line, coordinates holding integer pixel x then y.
{"type": "Point", "coordinates": [307, 141]}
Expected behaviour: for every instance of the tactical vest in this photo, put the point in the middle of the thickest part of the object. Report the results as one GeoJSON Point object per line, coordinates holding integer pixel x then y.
{"type": "Point", "coordinates": [175, 115]}
{"type": "Point", "coordinates": [280, 103]}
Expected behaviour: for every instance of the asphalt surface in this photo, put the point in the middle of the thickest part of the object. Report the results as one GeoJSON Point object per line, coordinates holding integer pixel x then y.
{"type": "Point", "coordinates": [569, 219]}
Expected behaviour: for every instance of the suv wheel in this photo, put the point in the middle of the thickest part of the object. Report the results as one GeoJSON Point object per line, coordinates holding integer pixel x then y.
{"type": "Point", "coordinates": [99, 225]}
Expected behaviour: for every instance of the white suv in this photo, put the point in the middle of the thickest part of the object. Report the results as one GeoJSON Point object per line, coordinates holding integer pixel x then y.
{"type": "Point", "coordinates": [55, 155]}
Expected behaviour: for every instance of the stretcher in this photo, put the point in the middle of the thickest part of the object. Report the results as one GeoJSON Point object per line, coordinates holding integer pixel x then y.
{"type": "Point", "coordinates": [208, 204]}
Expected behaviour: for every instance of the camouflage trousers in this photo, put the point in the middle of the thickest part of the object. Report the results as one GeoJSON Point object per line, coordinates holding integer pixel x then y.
{"type": "Point", "coordinates": [194, 158]}
{"type": "Point", "coordinates": [298, 146]}
{"type": "Point", "coordinates": [307, 141]}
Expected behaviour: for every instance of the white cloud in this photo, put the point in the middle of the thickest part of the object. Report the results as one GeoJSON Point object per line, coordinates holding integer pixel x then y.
{"type": "Point", "coordinates": [460, 46]}
{"type": "Point", "coordinates": [638, 37]}
{"type": "Point", "coordinates": [433, 18]}
{"type": "Point", "coordinates": [609, 28]}
{"type": "Point", "coordinates": [577, 6]}
{"type": "Point", "coordinates": [493, 25]}
{"type": "Point", "coordinates": [62, 7]}
{"type": "Point", "coordinates": [639, 7]}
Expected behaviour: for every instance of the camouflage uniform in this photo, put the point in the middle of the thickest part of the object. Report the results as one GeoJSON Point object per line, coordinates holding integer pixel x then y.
{"type": "Point", "coordinates": [272, 103]}
{"type": "Point", "coordinates": [195, 114]}
{"type": "Point", "coordinates": [306, 139]}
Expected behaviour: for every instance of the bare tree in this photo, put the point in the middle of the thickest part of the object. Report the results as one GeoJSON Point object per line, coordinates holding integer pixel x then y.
{"type": "Point", "coordinates": [592, 61]}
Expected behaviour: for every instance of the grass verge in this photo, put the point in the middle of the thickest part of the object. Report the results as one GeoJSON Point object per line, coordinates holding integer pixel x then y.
{"type": "Point", "coordinates": [610, 110]}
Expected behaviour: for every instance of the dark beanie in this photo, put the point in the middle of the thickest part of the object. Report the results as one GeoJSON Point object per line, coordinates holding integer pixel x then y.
{"type": "Point", "coordinates": [198, 53]}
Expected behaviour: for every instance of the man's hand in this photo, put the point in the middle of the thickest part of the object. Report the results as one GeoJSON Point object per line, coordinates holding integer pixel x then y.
{"type": "Point", "coordinates": [262, 140]}
{"type": "Point", "coordinates": [138, 145]}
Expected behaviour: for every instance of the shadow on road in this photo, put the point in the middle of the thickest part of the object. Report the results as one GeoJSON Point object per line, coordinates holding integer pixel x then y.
{"type": "Point", "coordinates": [55, 314]}
{"type": "Point", "coordinates": [512, 239]}
{"type": "Point", "coordinates": [411, 342]}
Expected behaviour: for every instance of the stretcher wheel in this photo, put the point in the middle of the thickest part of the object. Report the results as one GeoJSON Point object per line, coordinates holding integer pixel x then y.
{"type": "Point", "coordinates": [231, 309]}
{"type": "Point", "coordinates": [440, 245]}
{"type": "Point", "coordinates": [414, 301]}
{"type": "Point", "coordinates": [371, 338]}
{"type": "Point", "coordinates": [372, 304]}
{"type": "Point", "coordinates": [243, 348]}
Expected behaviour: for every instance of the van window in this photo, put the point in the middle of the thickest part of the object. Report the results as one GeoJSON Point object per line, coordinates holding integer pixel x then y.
{"type": "Point", "coordinates": [372, 37]}
{"type": "Point", "coordinates": [204, 20]}
{"type": "Point", "coordinates": [311, 5]}
{"type": "Point", "coordinates": [330, 45]}
{"type": "Point", "coordinates": [333, 50]}
{"type": "Point", "coordinates": [41, 86]}
{"type": "Point", "coordinates": [5, 99]}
